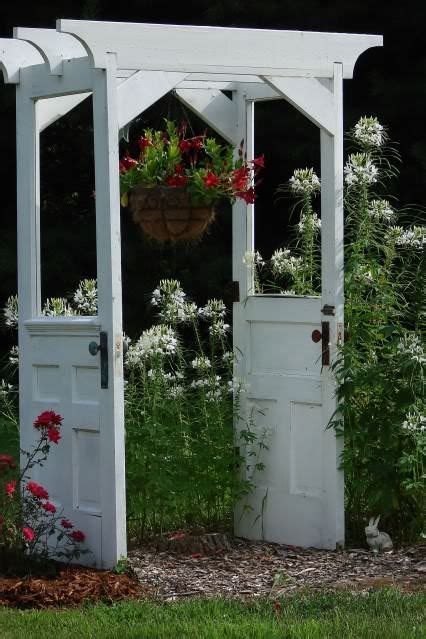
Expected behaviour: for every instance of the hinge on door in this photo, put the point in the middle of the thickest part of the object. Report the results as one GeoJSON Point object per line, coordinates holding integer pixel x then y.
{"type": "Point", "coordinates": [235, 291]}
{"type": "Point", "coordinates": [328, 309]}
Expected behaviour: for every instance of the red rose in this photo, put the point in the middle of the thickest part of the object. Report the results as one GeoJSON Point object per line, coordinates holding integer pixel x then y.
{"type": "Point", "coordinates": [65, 523]}
{"type": "Point", "coordinates": [48, 418]}
{"type": "Point", "coordinates": [10, 487]}
{"type": "Point", "coordinates": [48, 507]}
{"type": "Point", "coordinates": [211, 179]}
{"type": "Point", "coordinates": [53, 434]}
{"type": "Point", "coordinates": [38, 491]}
{"type": "Point", "coordinates": [28, 533]}
{"type": "Point", "coordinates": [7, 460]}
{"type": "Point", "coordinates": [78, 535]}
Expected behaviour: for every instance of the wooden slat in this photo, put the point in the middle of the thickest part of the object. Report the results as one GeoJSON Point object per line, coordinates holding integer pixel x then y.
{"type": "Point", "coordinates": [214, 108]}
{"type": "Point", "coordinates": [219, 50]}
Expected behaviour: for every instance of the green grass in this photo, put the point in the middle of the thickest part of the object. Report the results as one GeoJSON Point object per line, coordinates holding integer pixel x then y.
{"type": "Point", "coordinates": [385, 614]}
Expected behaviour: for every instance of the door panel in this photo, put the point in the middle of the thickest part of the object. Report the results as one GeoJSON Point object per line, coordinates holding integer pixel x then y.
{"type": "Point", "coordinates": [285, 399]}
{"type": "Point", "coordinates": [66, 379]}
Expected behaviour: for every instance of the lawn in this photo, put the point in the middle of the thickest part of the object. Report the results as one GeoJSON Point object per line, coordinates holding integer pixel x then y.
{"type": "Point", "coordinates": [383, 614]}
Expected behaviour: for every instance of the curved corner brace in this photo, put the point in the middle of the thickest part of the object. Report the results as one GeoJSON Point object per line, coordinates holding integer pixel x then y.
{"type": "Point", "coordinates": [54, 47]}
{"type": "Point", "coordinates": [15, 55]}
{"type": "Point", "coordinates": [141, 90]}
{"type": "Point", "coordinates": [309, 96]}
{"type": "Point", "coordinates": [214, 108]}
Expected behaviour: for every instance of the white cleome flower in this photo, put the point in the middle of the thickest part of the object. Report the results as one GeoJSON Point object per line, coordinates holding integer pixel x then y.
{"type": "Point", "coordinates": [411, 346]}
{"type": "Point", "coordinates": [309, 221]}
{"type": "Point", "coordinates": [219, 329]}
{"type": "Point", "coordinates": [304, 182]}
{"type": "Point", "coordinates": [170, 300]}
{"type": "Point", "coordinates": [415, 422]}
{"type": "Point", "coordinates": [55, 306]}
{"type": "Point", "coordinates": [411, 238]}
{"type": "Point", "coordinates": [86, 297]}
{"type": "Point", "coordinates": [252, 259]}
{"type": "Point", "coordinates": [14, 355]}
{"type": "Point", "coordinates": [5, 389]}
{"type": "Point", "coordinates": [214, 310]}
{"type": "Point", "coordinates": [282, 262]}
{"type": "Point", "coordinates": [368, 131]}
{"type": "Point", "coordinates": [10, 311]}
{"type": "Point", "coordinates": [381, 211]}
{"type": "Point", "coordinates": [360, 170]}
{"type": "Point", "coordinates": [201, 363]}
{"type": "Point", "coordinates": [278, 259]}
{"type": "Point", "coordinates": [156, 341]}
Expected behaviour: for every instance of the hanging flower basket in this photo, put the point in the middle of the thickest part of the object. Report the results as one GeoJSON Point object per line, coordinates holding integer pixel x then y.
{"type": "Point", "coordinates": [174, 184]}
{"type": "Point", "coordinates": [165, 213]}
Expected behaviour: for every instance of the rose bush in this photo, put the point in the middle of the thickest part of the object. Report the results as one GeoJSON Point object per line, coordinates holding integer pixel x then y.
{"type": "Point", "coordinates": [31, 527]}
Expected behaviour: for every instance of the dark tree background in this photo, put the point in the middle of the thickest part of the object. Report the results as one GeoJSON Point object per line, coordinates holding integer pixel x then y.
{"type": "Point", "coordinates": [389, 83]}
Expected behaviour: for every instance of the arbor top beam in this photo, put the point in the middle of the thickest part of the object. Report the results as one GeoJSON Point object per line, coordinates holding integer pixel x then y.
{"type": "Point", "coordinates": [199, 49]}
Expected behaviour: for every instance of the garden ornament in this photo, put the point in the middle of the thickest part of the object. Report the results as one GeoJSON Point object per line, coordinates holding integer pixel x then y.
{"type": "Point", "coordinates": [377, 540]}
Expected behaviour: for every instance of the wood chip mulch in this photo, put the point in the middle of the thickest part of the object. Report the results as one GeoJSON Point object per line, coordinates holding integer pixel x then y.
{"type": "Point", "coordinates": [221, 567]}
{"type": "Point", "coordinates": [247, 569]}
{"type": "Point", "coordinates": [73, 586]}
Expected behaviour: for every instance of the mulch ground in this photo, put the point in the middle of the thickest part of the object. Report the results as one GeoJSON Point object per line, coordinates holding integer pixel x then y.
{"type": "Point", "coordinates": [245, 569]}
{"type": "Point", "coordinates": [73, 586]}
{"type": "Point", "coordinates": [219, 567]}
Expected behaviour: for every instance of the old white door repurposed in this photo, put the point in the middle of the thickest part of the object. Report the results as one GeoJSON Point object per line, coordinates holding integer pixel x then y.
{"type": "Point", "coordinates": [73, 365]}
{"type": "Point", "coordinates": [284, 347]}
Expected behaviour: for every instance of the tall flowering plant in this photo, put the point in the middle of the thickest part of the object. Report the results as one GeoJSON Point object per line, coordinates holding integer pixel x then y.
{"type": "Point", "coordinates": [31, 526]}
{"type": "Point", "coordinates": [206, 169]}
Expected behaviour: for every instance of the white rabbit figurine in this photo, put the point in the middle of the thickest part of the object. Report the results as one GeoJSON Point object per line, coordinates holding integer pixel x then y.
{"type": "Point", "coordinates": [377, 540]}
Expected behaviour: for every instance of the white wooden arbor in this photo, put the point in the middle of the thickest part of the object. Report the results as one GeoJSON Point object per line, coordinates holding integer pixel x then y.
{"type": "Point", "coordinates": [127, 67]}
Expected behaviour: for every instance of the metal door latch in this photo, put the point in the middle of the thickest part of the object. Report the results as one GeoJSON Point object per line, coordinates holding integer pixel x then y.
{"type": "Point", "coordinates": [324, 336]}
{"type": "Point", "coordinates": [101, 348]}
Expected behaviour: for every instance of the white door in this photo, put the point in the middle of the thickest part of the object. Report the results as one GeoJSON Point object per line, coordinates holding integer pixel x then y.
{"type": "Point", "coordinates": [285, 346]}
{"type": "Point", "coordinates": [73, 365]}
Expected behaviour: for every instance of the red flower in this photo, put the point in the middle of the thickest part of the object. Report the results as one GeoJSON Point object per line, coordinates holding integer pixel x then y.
{"type": "Point", "coordinates": [277, 607]}
{"type": "Point", "coordinates": [38, 491]}
{"type": "Point", "coordinates": [10, 487]}
{"type": "Point", "coordinates": [240, 177]}
{"type": "Point", "coordinates": [77, 535]}
{"type": "Point", "coordinates": [53, 434]}
{"type": "Point", "coordinates": [65, 523]}
{"type": "Point", "coordinates": [48, 507]}
{"type": "Point", "coordinates": [259, 162]}
{"type": "Point", "coordinates": [185, 145]}
{"type": "Point", "coordinates": [197, 143]}
{"type": "Point", "coordinates": [211, 179]}
{"type": "Point", "coordinates": [48, 418]}
{"type": "Point", "coordinates": [28, 533]}
{"type": "Point", "coordinates": [179, 168]}
{"type": "Point", "coordinates": [248, 196]}
{"type": "Point", "coordinates": [7, 460]}
{"type": "Point", "coordinates": [127, 163]}
{"type": "Point", "coordinates": [176, 180]}
{"type": "Point", "coordinates": [143, 143]}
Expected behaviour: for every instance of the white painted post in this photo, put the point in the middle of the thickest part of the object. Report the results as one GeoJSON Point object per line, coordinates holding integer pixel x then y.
{"type": "Point", "coordinates": [332, 276]}
{"type": "Point", "coordinates": [28, 227]}
{"type": "Point", "coordinates": [112, 481]}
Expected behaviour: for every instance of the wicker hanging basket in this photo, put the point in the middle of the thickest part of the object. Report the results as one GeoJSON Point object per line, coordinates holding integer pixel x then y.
{"type": "Point", "coordinates": [165, 213]}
